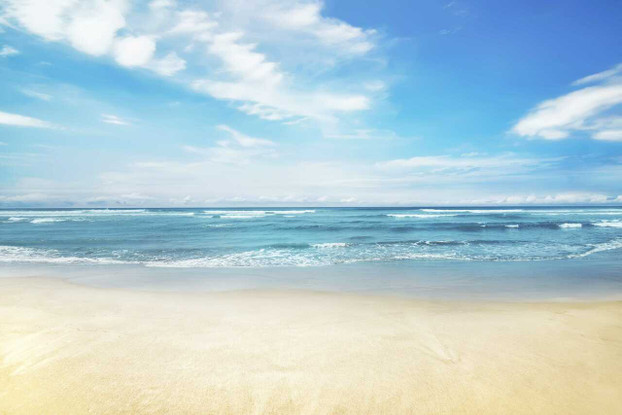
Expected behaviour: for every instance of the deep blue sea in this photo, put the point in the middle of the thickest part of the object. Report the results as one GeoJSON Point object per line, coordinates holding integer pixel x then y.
{"type": "Point", "coordinates": [262, 237]}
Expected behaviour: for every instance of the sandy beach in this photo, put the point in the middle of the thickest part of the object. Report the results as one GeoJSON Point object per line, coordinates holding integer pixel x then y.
{"type": "Point", "coordinates": [71, 349]}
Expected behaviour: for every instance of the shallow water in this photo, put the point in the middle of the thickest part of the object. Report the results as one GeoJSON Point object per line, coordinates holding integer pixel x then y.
{"type": "Point", "coordinates": [216, 238]}
{"type": "Point", "coordinates": [461, 253]}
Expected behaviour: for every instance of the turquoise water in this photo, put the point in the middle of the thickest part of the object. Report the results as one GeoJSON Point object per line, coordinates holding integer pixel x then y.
{"type": "Point", "coordinates": [314, 237]}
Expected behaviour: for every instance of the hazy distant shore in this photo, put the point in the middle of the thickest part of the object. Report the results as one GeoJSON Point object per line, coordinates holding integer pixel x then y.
{"type": "Point", "coordinates": [67, 348]}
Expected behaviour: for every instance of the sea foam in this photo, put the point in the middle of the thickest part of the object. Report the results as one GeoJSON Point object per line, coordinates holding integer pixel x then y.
{"type": "Point", "coordinates": [609, 224]}
{"type": "Point", "coordinates": [418, 215]}
{"type": "Point", "coordinates": [570, 225]}
{"type": "Point", "coordinates": [474, 210]}
{"type": "Point", "coordinates": [330, 245]}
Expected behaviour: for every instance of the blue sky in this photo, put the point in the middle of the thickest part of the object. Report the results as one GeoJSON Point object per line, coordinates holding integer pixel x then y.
{"type": "Point", "coordinates": [273, 102]}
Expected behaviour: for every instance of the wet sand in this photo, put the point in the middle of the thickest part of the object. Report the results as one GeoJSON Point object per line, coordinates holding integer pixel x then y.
{"type": "Point", "coordinates": [72, 349]}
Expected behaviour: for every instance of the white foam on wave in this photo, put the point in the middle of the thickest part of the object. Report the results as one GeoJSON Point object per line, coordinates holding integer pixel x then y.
{"type": "Point", "coordinates": [548, 212]}
{"type": "Point", "coordinates": [115, 211]}
{"type": "Point", "coordinates": [286, 258]}
{"type": "Point", "coordinates": [246, 214]}
{"type": "Point", "coordinates": [46, 220]}
{"type": "Point", "coordinates": [235, 212]}
{"type": "Point", "coordinates": [32, 255]}
{"type": "Point", "coordinates": [254, 214]}
{"type": "Point", "coordinates": [512, 226]}
{"type": "Point", "coordinates": [330, 245]}
{"type": "Point", "coordinates": [600, 247]}
{"type": "Point", "coordinates": [474, 210]}
{"type": "Point", "coordinates": [291, 212]}
{"type": "Point", "coordinates": [37, 221]}
{"type": "Point", "coordinates": [570, 225]}
{"type": "Point", "coordinates": [329, 254]}
{"type": "Point", "coordinates": [417, 215]}
{"type": "Point", "coordinates": [90, 213]}
{"type": "Point", "coordinates": [609, 224]}
{"type": "Point", "coordinates": [579, 212]}
{"type": "Point", "coordinates": [424, 255]}
{"type": "Point", "coordinates": [81, 212]}
{"type": "Point", "coordinates": [248, 259]}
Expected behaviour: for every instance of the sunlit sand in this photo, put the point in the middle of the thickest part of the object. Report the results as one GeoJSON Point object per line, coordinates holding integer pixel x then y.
{"type": "Point", "coordinates": [69, 349]}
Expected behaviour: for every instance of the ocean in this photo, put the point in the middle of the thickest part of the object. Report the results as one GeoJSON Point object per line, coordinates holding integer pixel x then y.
{"type": "Point", "coordinates": [208, 238]}
{"type": "Point", "coordinates": [399, 244]}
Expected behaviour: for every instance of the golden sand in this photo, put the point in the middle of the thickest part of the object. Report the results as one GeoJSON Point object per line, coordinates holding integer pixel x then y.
{"type": "Point", "coordinates": [68, 349]}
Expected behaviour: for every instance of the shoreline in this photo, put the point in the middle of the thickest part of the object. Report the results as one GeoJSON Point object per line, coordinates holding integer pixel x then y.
{"type": "Point", "coordinates": [70, 348]}
{"type": "Point", "coordinates": [555, 281]}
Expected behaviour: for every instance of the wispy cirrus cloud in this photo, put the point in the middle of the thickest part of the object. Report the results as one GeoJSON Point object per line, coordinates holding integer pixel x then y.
{"type": "Point", "coordinates": [600, 76]}
{"type": "Point", "coordinates": [467, 164]}
{"type": "Point", "coordinates": [114, 119]}
{"type": "Point", "coordinates": [18, 120]}
{"type": "Point", "coordinates": [594, 109]}
{"type": "Point", "coordinates": [8, 51]}
{"type": "Point", "coordinates": [239, 148]}
{"type": "Point", "coordinates": [36, 94]}
{"type": "Point", "coordinates": [305, 19]}
{"type": "Point", "coordinates": [362, 134]}
{"type": "Point", "coordinates": [249, 54]}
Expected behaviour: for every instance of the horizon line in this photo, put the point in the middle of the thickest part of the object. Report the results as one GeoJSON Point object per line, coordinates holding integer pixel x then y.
{"type": "Point", "coordinates": [320, 207]}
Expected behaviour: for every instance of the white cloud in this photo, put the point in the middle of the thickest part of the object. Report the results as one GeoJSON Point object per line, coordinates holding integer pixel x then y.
{"type": "Point", "coordinates": [44, 18]}
{"type": "Point", "coordinates": [27, 198]}
{"type": "Point", "coordinates": [8, 51]}
{"type": "Point", "coordinates": [326, 183]}
{"type": "Point", "coordinates": [161, 4]}
{"type": "Point", "coordinates": [447, 32]}
{"type": "Point", "coordinates": [89, 26]}
{"type": "Point", "coordinates": [244, 140]}
{"type": "Point", "coordinates": [36, 94]}
{"type": "Point", "coordinates": [375, 85]}
{"type": "Point", "coordinates": [238, 171]}
{"type": "Point", "coordinates": [18, 120]}
{"type": "Point", "coordinates": [241, 59]}
{"type": "Point", "coordinates": [193, 22]}
{"type": "Point", "coordinates": [465, 163]}
{"type": "Point", "coordinates": [565, 198]}
{"type": "Point", "coordinates": [134, 50]}
{"type": "Point", "coordinates": [282, 103]}
{"type": "Point", "coordinates": [443, 179]}
{"type": "Point", "coordinates": [609, 135]}
{"type": "Point", "coordinates": [113, 119]}
{"type": "Point", "coordinates": [94, 24]}
{"type": "Point", "coordinates": [168, 65]}
{"type": "Point", "coordinates": [306, 18]}
{"type": "Point", "coordinates": [262, 55]}
{"type": "Point", "coordinates": [361, 134]}
{"type": "Point", "coordinates": [585, 110]}
{"type": "Point", "coordinates": [600, 76]}
{"type": "Point", "coordinates": [238, 149]}
{"type": "Point", "coordinates": [20, 159]}
{"type": "Point", "coordinates": [262, 86]}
